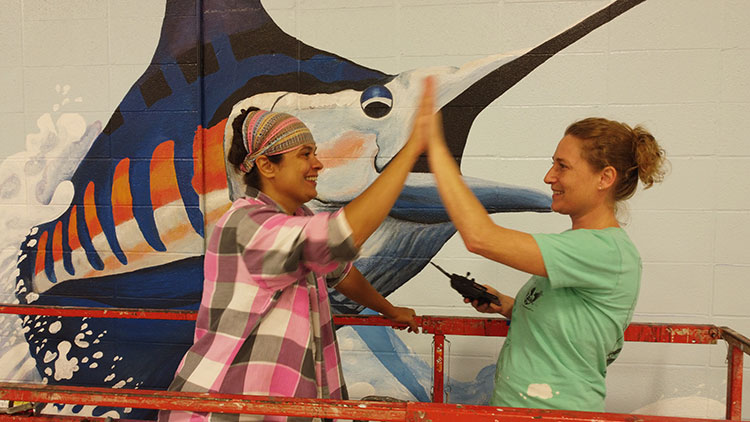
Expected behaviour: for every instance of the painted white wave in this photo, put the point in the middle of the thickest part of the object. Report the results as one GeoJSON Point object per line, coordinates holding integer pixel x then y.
{"type": "Point", "coordinates": [35, 188]}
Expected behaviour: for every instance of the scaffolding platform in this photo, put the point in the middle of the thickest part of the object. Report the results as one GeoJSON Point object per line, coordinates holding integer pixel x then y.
{"type": "Point", "coordinates": [438, 326]}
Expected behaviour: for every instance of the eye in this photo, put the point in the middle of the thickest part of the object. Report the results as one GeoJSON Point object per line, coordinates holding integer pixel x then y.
{"type": "Point", "coordinates": [376, 101]}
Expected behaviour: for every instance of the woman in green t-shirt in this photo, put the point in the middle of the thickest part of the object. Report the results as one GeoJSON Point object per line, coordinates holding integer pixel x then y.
{"type": "Point", "coordinates": [569, 318]}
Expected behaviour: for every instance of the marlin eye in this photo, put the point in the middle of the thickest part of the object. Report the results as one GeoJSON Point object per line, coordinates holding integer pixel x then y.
{"type": "Point", "coordinates": [376, 101]}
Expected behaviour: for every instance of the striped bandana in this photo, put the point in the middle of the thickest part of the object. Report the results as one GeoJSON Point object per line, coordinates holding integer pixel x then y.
{"type": "Point", "coordinates": [271, 133]}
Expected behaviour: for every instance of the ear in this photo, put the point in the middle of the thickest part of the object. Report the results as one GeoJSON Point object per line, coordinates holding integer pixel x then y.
{"type": "Point", "coordinates": [265, 167]}
{"type": "Point", "coordinates": [607, 177]}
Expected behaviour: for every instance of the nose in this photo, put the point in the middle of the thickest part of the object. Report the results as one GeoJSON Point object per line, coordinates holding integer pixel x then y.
{"type": "Point", "coordinates": [316, 163]}
{"type": "Point", "coordinates": [549, 178]}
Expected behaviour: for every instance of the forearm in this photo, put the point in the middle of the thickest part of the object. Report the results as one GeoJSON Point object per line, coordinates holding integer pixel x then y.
{"type": "Point", "coordinates": [357, 288]}
{"type": "Point", "coordinates": [463, 207]}
{"type": "Point", "coordinates": [369, 209]}
{"type": "Point", "coordinates": [480, 234]}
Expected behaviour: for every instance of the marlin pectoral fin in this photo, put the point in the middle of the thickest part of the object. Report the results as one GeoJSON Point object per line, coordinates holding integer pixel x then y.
{"type": "Point", "coordinates": [420, 202]}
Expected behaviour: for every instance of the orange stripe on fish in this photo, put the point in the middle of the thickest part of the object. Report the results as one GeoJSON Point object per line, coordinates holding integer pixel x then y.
{"type": "Point", "coordinates": [122, 199]}
{"type": "Point", "coordinates": [164, 188]}
{"type": "Point", "coordinates": [73, 240]}
{"type": "Point", "coordinates": [41, 249]}
{"type": "Point", "coordinates": [210, 175]}
{"type": "Point", "coordinates": [57, 250]}
{"type": "Point", "coordinates": [89, 211]}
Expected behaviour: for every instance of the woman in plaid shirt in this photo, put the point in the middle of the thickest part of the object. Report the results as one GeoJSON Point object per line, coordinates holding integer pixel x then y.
{"type": "Point", "coordinates": [264, 325]}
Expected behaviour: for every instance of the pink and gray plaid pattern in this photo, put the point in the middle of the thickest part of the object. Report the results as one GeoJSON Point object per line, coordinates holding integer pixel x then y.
{"type": "Point", "coordinates": [264, 325]}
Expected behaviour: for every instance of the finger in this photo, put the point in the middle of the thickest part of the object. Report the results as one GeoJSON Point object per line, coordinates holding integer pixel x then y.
{"type": "Point", "coordinates": [428, 95]}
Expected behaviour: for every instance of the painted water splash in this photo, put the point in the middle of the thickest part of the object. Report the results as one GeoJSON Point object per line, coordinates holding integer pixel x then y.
{"type": "Point", "coordinates": [35, 187]}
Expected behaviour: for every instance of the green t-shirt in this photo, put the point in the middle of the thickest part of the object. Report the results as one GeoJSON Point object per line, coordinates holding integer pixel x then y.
{"type": "Point", "coordinates": [566, 329]}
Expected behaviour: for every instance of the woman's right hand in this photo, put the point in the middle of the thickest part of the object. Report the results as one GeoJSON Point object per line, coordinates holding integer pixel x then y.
{"type": "Point", "coordinates": [505, 308]}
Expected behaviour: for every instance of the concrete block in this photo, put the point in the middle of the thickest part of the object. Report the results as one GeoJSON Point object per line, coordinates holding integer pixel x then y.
{"type": "Point", "coordinates": [667, 25]}
{"type": "Point", "coordinates": [523, 25]}
{"type": "Point", "coordinates": [732, 189]}
{"type": "Point", "coordinates": [678, 135]}
{"type": "Point", "coordinates": [675, 237]}
{"type": "Point", "coordinates": [732, 232]}
{"type": "Point", "coordinates": [47, 10]}
{"type": "Point", "coordinates": [732, 136]}
{"type": "Point", "coordinates": [659, 77]}
{"type": "Point", "coordinates": [136, 8]}
{"type": "Point", "coordinates": [449, 29]}
{"type": "Point", "coordinates": [360, 32]}
{"type": "Point", "coordinates": [66, 89]}
{"type": "Point", "coordinates": [730, 281]}
{"type": "Point", "coordinates": [14, 137]}
{"type": "Point", "coordinates": [735, 81]}
{"type": "Point", "coordinates": [734, 29]}
{"type": "Point", "coordinates": [11, 40]}
{"type": "Point", "coordinates": [60, 43]}
{"type": "Point", "coordinates": [690, 184]}
{"type": "Point", "coordinates": [564, 80]}
{"type": "Point", "coordinates": [669, 289]}
{"type": "Point", "coordinates": [133, 40]}
{"type": "Point", "coordinates": [11, 90]}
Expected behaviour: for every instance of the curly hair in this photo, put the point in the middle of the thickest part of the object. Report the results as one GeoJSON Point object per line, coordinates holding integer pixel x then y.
{"type": "Point", "coordinates": [633, 152]}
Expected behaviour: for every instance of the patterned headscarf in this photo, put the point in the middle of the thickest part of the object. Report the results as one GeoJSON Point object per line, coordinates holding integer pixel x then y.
{"type": "Point", "coordinates": [271, 133]}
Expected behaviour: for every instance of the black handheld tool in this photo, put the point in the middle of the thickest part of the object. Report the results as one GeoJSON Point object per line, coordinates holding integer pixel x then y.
{"type": "Point", "coordinates": [469, 288]}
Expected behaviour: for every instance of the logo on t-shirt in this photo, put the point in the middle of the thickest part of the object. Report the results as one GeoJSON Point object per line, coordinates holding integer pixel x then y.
{"type": "Point", "coordinates": [531, 297]}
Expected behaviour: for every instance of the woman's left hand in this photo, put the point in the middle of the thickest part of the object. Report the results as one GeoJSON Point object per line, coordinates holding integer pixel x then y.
{"type": "Point", "coordinates": [405, 316]}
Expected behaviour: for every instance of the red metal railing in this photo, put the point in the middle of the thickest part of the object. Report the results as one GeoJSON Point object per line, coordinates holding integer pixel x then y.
{"type": "Point", "coordinates": [438, 326]}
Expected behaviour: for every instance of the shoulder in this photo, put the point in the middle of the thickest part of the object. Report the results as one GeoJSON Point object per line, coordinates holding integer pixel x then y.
{"type": "Point", "coordinates": [609, 242]}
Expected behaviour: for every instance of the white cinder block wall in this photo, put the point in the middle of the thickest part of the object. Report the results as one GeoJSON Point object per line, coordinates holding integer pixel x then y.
{"type": "Point", "coordinates": [680, 67]}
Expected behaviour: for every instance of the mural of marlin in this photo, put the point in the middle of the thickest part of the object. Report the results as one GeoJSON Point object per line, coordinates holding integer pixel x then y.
{"type": "Point", "coordinates": [154, 181]}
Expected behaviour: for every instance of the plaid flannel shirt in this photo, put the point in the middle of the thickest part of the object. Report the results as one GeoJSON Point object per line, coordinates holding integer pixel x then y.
{"type": "Point", "coordinates": [264, 325]}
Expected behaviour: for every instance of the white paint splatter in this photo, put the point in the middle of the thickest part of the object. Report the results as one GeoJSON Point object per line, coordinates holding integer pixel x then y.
{"type": "Point", "coordinates": [98, 355]}
{"type": "Point", "coordinates": [94, 365]}
{"type": "Point", "coordinates": [79, 341]}
{"type": "Point", "coordinates": [85, 359]}
{"type": "Point", "coordinates": [49, 356]}
{"type": "Point", "coordinates": [32, 297]}
{"type": "Point", "coordinates": [64, 367]}
{"type": "Point", "coordinates": [110, 377]}
{"type": "Point", "coordinates": [543, 391]}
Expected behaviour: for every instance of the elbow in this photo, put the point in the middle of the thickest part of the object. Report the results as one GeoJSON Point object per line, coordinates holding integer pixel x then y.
{"type": "Point", "coordinates": [474, 243]}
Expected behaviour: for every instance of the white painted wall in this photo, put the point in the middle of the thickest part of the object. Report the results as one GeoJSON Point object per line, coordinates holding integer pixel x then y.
{"type": "Point", "coordinates": [680, 67]}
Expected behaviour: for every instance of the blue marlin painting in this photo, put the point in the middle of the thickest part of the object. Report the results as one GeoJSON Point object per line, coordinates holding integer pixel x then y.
{"type": "Point", "coordinates": [153, 181]}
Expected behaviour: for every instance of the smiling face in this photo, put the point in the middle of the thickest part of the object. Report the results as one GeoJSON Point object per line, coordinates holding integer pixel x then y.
{"type": "Point", "coordinates": [576, 185]}
{"type": "Point", "coordinates": [294, 180]}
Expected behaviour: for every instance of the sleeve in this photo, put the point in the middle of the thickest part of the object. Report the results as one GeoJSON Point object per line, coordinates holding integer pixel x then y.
{"type": "Point", "coordinates": [339, 274]}
{"type": "Point", "coordinates": [278, 249]}
{"type": "Point", "coordinates": [580, 258]}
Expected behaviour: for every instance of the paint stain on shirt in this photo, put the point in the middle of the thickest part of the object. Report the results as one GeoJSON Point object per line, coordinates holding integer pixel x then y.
{"type": "Point", "coordinates": [542, 391]}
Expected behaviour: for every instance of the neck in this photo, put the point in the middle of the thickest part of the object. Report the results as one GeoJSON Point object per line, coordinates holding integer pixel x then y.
{"type": "Point", "coordinates": [600, 218]}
